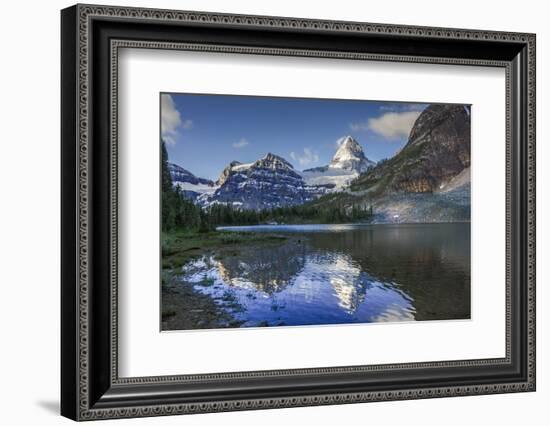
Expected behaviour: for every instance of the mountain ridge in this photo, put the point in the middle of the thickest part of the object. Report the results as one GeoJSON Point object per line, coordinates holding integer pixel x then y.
{"type": "Point", "coordinates": [427, 180]}
{"type": "Point", "coordinates": [246, 185]}
{"type": "Point", "coordinates": [181, 175]}
{"type": "Point", "coordinates": [268, 182]}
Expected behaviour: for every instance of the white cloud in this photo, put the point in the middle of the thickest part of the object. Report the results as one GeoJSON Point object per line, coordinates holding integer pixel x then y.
{"type": "Point", "coordinates": [307, 158]}
{"type": "Point", "coordinates": [187, 124]}
{"type": "Point", "coordinates": [170, 120]}
{"type": "Point", "coordinates": [391, 125]}
{"type": "Point", "coordinates": [356, 127]}
{"type": "Point", "coordinates": [241, 144]}
{"type": "Point", "coordinates": [168, 140]}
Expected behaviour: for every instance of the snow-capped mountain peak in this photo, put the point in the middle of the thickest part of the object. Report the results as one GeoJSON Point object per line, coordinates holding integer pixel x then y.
{"type": "Point", "coordinates": [268, 161]}
{"type": "Point", "coordinates": [268, 182]}
{"type": "Point", "coordinates": [272, 181]}
{"type": "Point", "coordinates": [272, 161]}
{"type": "Point", "coordinates": [350, 156]}
{"type": "Point", "coordinates": [348, 162]}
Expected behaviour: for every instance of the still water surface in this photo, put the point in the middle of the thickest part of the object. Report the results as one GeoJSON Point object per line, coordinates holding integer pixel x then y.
{"type": "Point", "coordinates": [335, 274]}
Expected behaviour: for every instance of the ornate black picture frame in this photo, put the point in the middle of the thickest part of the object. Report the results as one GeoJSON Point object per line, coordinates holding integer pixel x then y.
{"type": "Point", "coordinates": [91, 36]}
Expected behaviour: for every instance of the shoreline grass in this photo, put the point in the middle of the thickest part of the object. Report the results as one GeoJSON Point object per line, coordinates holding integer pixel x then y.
{"type": "Point", "coordinates": [178, 247]}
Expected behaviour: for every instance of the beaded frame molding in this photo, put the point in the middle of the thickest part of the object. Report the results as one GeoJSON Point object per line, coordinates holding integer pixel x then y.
{"type": "Point", "coordinates": [91, 39]}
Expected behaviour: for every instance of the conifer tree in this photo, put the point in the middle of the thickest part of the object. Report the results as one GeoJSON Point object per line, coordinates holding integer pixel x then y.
{"type": "Point", "coordinates": [165, 176]}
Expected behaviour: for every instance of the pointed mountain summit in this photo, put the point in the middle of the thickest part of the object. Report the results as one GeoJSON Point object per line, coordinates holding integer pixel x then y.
{"type": "Point", "coordinates": [428, 180]}
{"type": "Point", "coordinates": [350, 156]}
{"type": "Point", "coordinates": [348, 163]}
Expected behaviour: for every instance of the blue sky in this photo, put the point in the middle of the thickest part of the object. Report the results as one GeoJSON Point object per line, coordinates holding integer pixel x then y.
{"type": "Point", "coordinates": [203, 133]}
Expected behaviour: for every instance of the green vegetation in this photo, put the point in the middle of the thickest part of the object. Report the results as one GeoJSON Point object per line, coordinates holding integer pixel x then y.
{"type": "Point", "coordinates": [177, 212]}
{"type": "Point", "coordinates": [179, 246]}
{"type": "Point", "coordinates": [382, 178]}
{"type": "Point", "coordinates": [331, 208]}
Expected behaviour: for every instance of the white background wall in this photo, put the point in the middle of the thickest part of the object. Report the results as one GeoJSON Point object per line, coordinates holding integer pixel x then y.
{"type": "Point", "coordinates": [29, 211]}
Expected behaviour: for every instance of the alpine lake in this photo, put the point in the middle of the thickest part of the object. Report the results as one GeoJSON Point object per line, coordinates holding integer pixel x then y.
{"type": "Point", "coordinates": [297, 275]}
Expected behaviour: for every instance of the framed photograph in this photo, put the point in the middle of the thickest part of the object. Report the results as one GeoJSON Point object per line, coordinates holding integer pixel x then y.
{"type": "Point", "coordinates": [263, 212]}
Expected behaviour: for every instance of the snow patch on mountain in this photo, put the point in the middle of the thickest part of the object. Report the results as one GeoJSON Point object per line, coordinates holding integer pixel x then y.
{"type": "Point", "coordinates": [188, 182]}
{"type": "Point", "coordinates": [332, 178]}
{"type": "Point", "coordinates": [199, 188]}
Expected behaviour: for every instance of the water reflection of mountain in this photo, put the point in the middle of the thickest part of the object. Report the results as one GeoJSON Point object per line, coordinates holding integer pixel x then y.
{"type": "Point", "coordinates": [271, 270]}
{"type": "Point", "coordinates": [268, 269]}
{"type": "Point", "coordinates": [348, 281]}
{"type": "Point", "coordinates": [430, 263]}
{"type": "Point", "coordinates": [381, 273]}
{"type": "Point", "coordinates": [350, 285]}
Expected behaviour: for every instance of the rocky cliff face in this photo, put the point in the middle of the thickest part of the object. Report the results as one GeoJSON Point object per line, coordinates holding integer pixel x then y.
{"type": "Point", "coordinates": [227, 171]}
{"type": "Point", "coordinates": [438, 149]}
{"type": "Point", "coordinates": [268, 182]}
